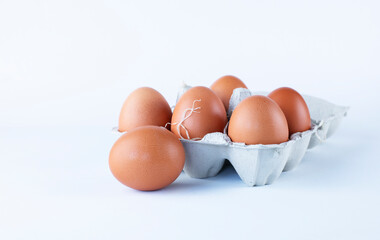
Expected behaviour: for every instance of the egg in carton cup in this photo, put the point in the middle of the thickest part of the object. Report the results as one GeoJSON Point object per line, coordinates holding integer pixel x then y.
{"type": "Point", "coordinates": [259, 164]}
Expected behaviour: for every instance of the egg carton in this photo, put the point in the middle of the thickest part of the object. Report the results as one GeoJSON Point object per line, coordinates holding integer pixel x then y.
{"type": "Point", "coordinates": [259, 164]}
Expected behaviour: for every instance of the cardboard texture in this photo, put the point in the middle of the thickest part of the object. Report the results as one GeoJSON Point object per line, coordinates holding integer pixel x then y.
{"type": "Point", "coordinates": [259, 165]}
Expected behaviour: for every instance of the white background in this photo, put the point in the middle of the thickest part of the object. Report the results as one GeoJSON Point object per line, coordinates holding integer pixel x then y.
{"type": "Point", "coordinates": [67, 66]}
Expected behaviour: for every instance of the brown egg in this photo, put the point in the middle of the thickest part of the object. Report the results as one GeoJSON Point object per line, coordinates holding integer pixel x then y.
{"type": "Point", "coordinates": [294, 107]}
{"type": "Point", "coordinates": [224, 87]}
{"type": "Point", "coordinates": [258, 120]}
{"type": "Point", "coordinates": [144, 106]}
{"type": "Point", "coordinates": [198, 112]}
{"type": "Point", "coordinates": [147, 158]}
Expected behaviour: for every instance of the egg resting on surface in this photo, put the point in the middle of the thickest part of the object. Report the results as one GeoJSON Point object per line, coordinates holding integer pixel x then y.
{"type": "Point", "coordinates": [144, 106]}
{"type": "Point", "coordinates": [198, 112]}
{"type": "Point", "coordinates": [294, 107]}
{"type": "Point", "coordinates": [147, 158]}
{"type": "Point", "coordinates": [224, 87]}
{"type": "Point", "coordinates": [258, 120]}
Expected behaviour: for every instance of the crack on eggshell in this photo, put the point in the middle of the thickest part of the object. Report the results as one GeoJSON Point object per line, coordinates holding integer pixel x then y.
{"type": "Point", "coordinates": [180, 125]}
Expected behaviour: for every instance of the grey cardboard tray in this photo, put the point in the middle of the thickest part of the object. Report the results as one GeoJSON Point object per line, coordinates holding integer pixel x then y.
{"type": "Point", "coordinates": [259, 165]}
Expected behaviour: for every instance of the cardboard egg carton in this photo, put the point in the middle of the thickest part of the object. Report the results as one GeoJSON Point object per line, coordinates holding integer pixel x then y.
{"type": "Point", "coordinates": [259, 164]}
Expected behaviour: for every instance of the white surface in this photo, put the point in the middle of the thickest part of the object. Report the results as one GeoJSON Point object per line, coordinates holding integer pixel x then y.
{"type": "Point", "coordinates": [66, 67]}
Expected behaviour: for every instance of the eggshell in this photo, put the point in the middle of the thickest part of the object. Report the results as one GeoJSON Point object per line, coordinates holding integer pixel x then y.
{"type": "Point", "coordinates": [294, 107]}
{"type": "Point", "coordinates": [259, 164]}
{"type": "Point", "coordinates": [198, 112]}
{"type": "Point", "coordinates": [258, 120]}
{"type": "Point", "coordinates": [224, 87]}
{"type": "Point", "coordinates": [147, 158]}
{"type": "Point", "coordinates": [144, 106]}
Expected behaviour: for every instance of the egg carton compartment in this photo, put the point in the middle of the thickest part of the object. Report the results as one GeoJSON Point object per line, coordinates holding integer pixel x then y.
{"type": "Point", "coordinates": [259, 164]}
{"type": "Point", "coordinates": [256, 165]}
